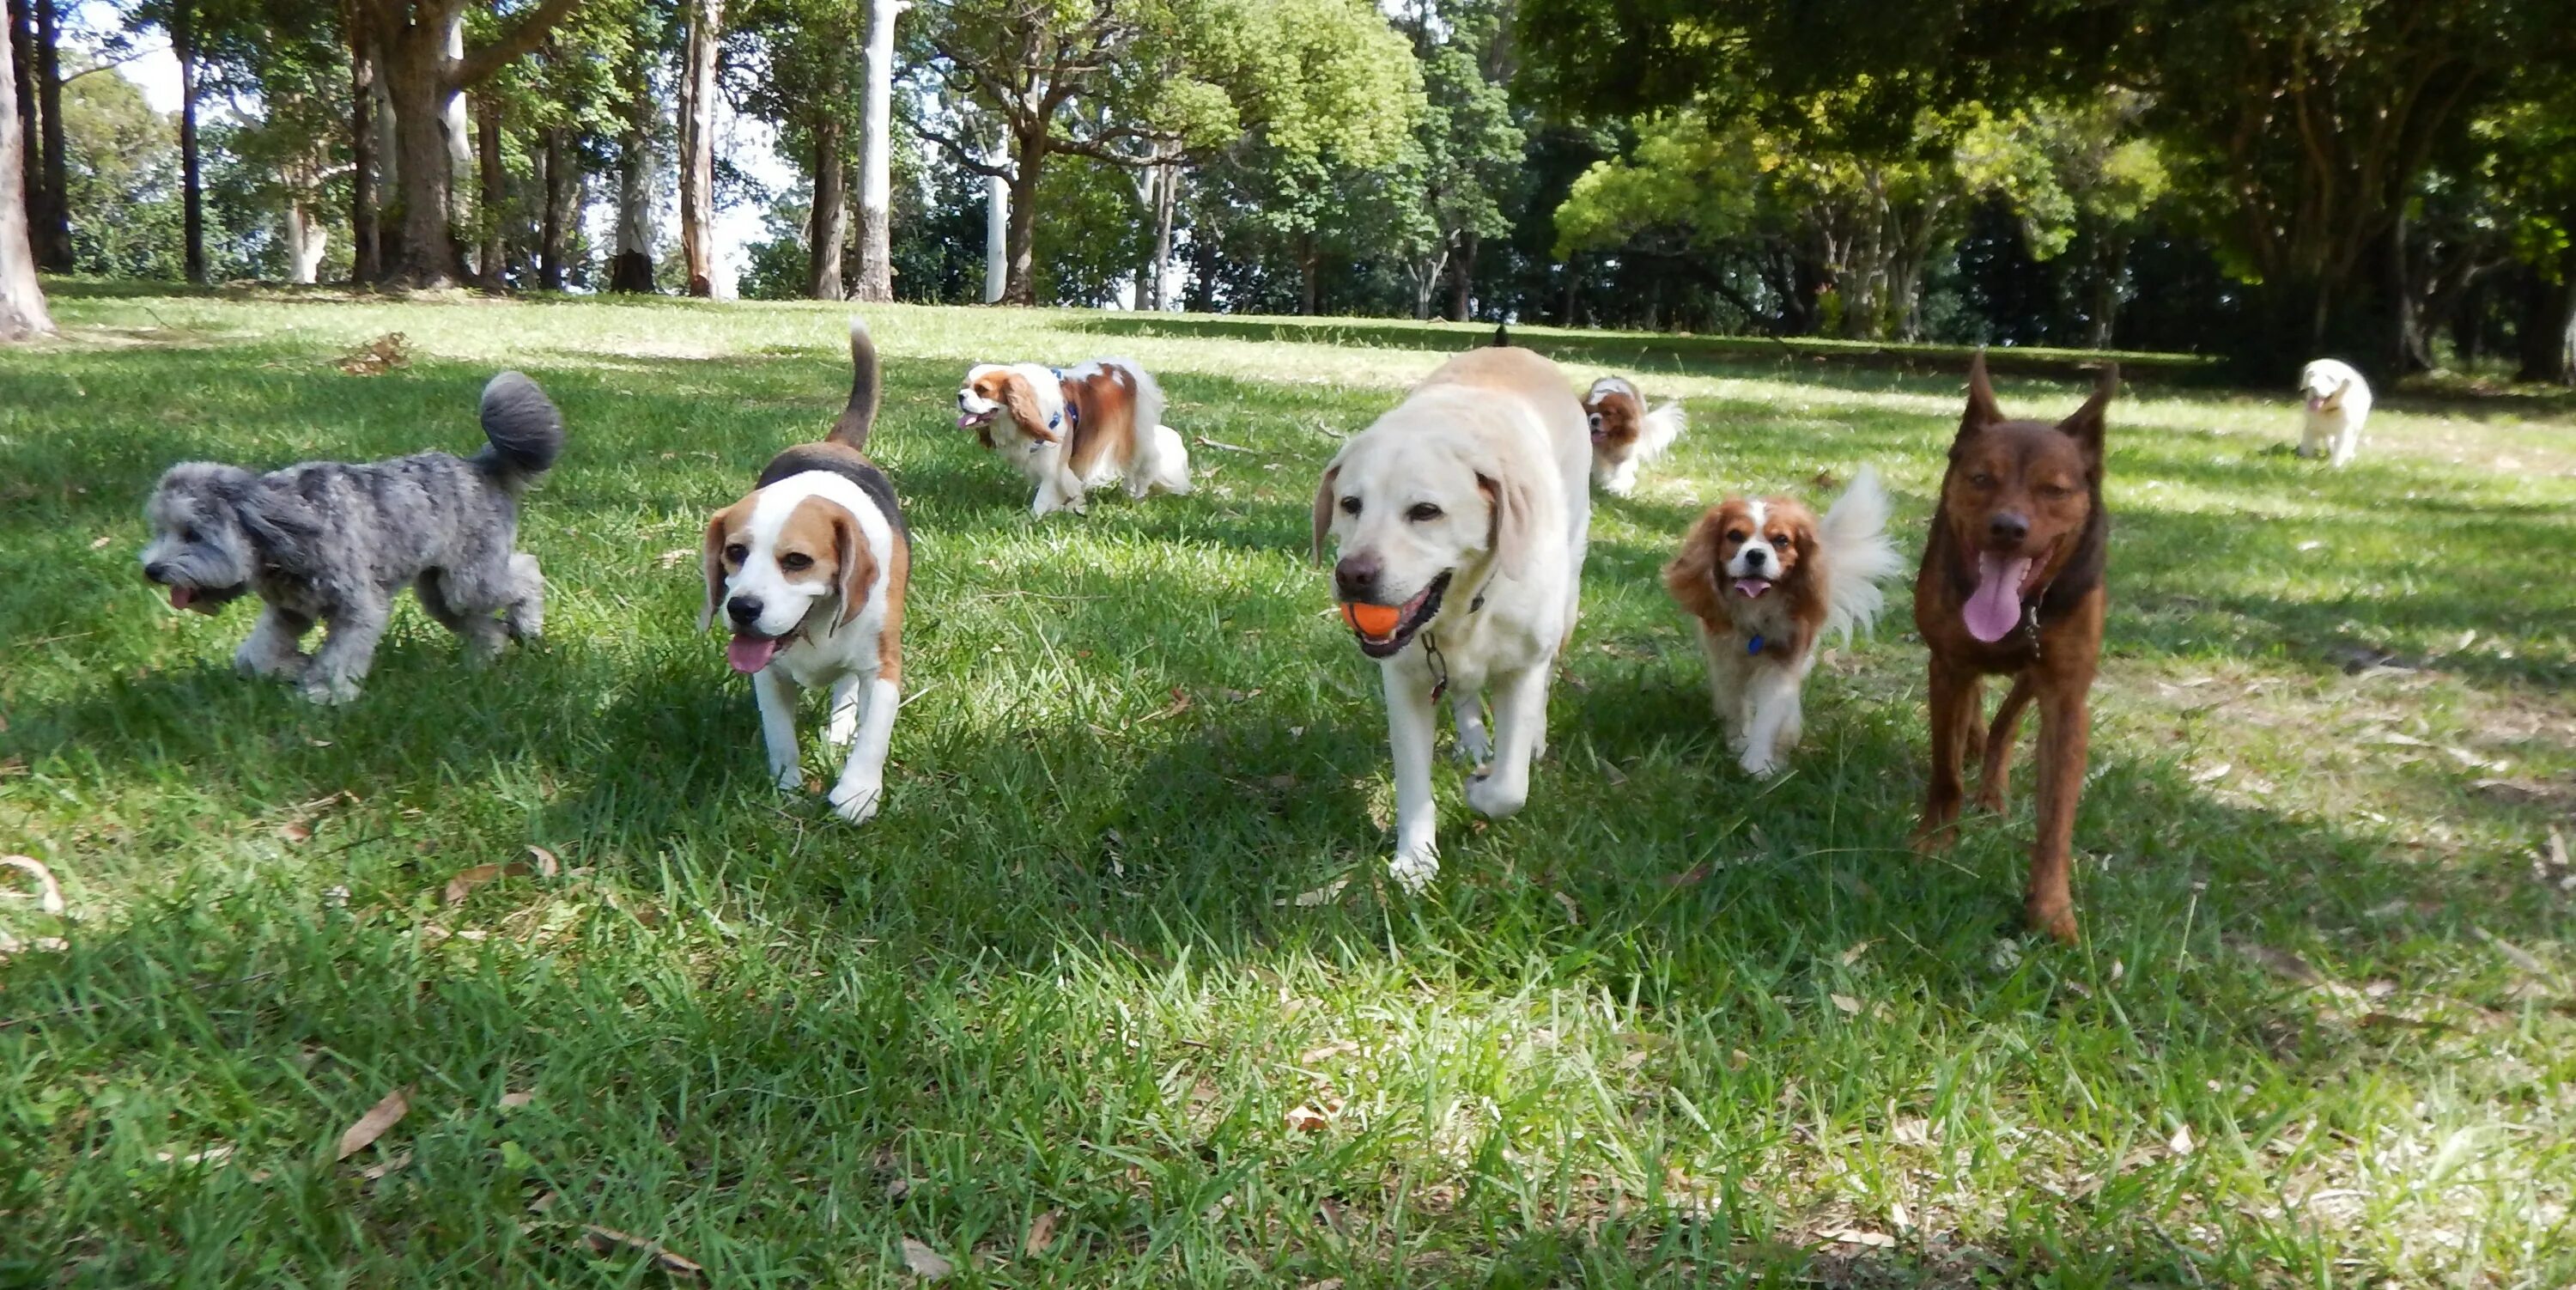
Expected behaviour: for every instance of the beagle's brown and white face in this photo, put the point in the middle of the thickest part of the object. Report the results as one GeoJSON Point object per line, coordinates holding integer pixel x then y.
{"type": "Point", "coordinates": [786, 560]}
{"type": "Point", "coordinates": [1759, 543]}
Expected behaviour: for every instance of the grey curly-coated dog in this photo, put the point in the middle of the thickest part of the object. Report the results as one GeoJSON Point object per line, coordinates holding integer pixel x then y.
{"type": "Point", "coordinates": [333, 542]}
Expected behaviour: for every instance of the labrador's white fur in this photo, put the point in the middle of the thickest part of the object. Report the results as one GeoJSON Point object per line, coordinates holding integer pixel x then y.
{"type": "Point", "coordinates": [1496, 440]}
{"type": "Point", "coordinates": [2338, 403]}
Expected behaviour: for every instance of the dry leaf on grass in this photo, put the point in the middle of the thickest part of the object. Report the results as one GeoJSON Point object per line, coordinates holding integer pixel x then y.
{"type": "Point", "coordinates": [1323, 895]}
{"type": "Point", "coordinates": [466, 880]}
{"type": "Point", "coordinates": [295, 831]}
{"type": "Point", "coordinates": [544, 860]}
{"type": "Point", "coordinates": [373, 1124]}
{"type": "Point", "coordinates": [2281, 963]}
{"type": "Point", "coordinates": [2180, 1144]}
{"type": "Point", "coordinates": [209, 1156]}
{"type": "Point", "coordinates": [2513, 953]}
{"type": "Point", "coordinates": [388, 1165]}
{"type": "Point", "coordinates": [1572, 914]}
{"type": "Point", "coordinates": [1849, 1005]}
{"type": "Point", "coordinates": [1696, 873]}
{"type": "Point", "coordinates": [513, 1101]}
{"type": "Point", "coordinates": [925, 1261]}
{"type": "Point", "coordinates": [378, 356]}
{"type": "Point", "coordinates": [1041, 1235]}
{"type": "Point", "coordinates": [1308, 1118]}
{"type": "Point", "coordinates": [49, 893]}
{"type": "Point", "coordinates": [1862, 1236]}
{"type": "Point", "coordinates": [1853, 955]}
{"type": "Point", "coordinates": [1912, 1133]}
{"type": "Point", "coordinates": [1322, 1053]}
{"type": "Point", "coordinates": [608, 1240]}
{"type": "Point", "coordinates": [672, 558]}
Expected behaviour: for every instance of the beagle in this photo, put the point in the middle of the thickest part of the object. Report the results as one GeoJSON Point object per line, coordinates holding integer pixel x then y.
{"type": "Point", "coordinates": [809, 570]}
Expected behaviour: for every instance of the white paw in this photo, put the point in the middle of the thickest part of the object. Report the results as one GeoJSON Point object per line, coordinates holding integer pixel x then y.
{"type": "Point", "coordinates": [1490, 797]}
{"type": "Point", "coordinates": [1473, 747]}
{"type": "Point", "coordinates": [1760, 765]}
{"type": "Point", "coordinates": [328, 691]}
{"type": "Point", "coordinates": [789, 778]}
{"type": "Point", "coordinates": [841, 731]}
{"type": "Point", "coordinates": [250, 663]}
{"type": "Point", "coordinates": [1414, 868]}
{"type": "Point", "coordinates": [857, 803]}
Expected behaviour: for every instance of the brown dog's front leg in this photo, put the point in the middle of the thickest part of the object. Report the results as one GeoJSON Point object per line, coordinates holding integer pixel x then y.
{"type": "Point", "coordinates": [1994, 773]}
{"type": "Point", "coordinates": [1954, 714]}
{"type": "Point", "coordinates": [2064, 735]}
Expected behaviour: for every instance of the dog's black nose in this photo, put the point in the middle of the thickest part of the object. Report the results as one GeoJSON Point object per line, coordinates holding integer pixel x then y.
{"type": "Point", "coordinates": [2004, 526]}
{"type": "Point", "coordinates": [1356, 576]}
{"type": "Point", "coordinates": [156, 572]}
{"type": "Point", "coordinates": [1754, 556]}
{"type": "Point", "coordinates": [744, 610]}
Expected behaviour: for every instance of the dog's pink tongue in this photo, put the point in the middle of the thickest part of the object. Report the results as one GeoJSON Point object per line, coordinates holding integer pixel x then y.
{"type": "Point", "coordinates": [1752, 588]}
{"type": "Point", "coordinates": [965, 420]}
{"type": "Point", "coordinates": [2316, 401]}
{"type": "Point", "coordinates": [749, 655]}
{"type": "Point", "coordinates": [1995, 610]}
{"type": "Point", "coordinates": [180, 596]}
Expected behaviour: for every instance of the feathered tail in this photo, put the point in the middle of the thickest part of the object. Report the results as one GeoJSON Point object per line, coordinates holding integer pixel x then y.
{"type": "Point", "coordinates": [850, 429]}
{"type": "Point", "coordinates": [525, 429]}
{"type": "Point", "coordinates": [1858, 555]}
{"type": "Point", "coordinates": [1663, 425]}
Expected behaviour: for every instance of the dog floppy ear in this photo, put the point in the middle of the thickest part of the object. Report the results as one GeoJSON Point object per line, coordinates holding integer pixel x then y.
{"type": "Point", "coordinates": [2086, 425]}
{"type": "Point", "coordinates": [1691, 576]}
{"type": "Point", "coordinates": [1021, 399]}
{"type": "Point", "coordinates": [1510, 535]}
{"type": "Point", "coordinates": [1324, 508]}
{"type": "Point", "coordinates": [714, 561]}
{"type": "Point", "coordinates": [278, 517]}
{"type": "Point", "coordinates": [1982, 411]}
{"type": "Point", "coordinates": [858, 566]}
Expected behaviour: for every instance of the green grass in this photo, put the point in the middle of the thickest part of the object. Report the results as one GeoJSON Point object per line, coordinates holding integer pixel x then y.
{"type": "Point", "coordinates": [1668, 1027]}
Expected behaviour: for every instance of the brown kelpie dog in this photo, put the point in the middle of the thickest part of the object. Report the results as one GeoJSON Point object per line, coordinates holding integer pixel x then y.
{"type": "Point", "coordinates": [2012, 583]}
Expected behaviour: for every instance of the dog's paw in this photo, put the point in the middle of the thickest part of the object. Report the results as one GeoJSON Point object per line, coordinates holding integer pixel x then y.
{"type": "Point", "coordinates": [2057, 922]}
{"type": "Point", "coordinates": [857, 803]}
{"type": "Point", "coordinates": [249, 662]}
{"type": "Point", "coordinates": [1414, 869]}
{"type": "Point", "coordinates": [329, 691]}
{"type": "Point", "coordinates": [1490, 797]}
{"type": "Point", "coordinates": [1759, 764]}
{"type": "Point", "coordinates": [789, 778]}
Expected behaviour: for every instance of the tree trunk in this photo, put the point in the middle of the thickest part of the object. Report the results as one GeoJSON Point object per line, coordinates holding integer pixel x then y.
{"type": "Point", "coordinates": [22, 75]}
{"type": "Point", "coordinates": [306, 235]}
{"type": "Point", "coordinates": [1020, 285]}
{"type": "Point", "coordinates": [427, 253]}
{"type": "Point", "coordinates": [1572, 281]}
{"type": "Point", "coordinates": [52, 234]}
{"type": "Point", "coordinates": [366, 262]}
{"type": "Point", "coordinates": [697, 144]}
{"type": "Point", "coordinates": [828, 229]}
{"type": "Point", "coordinates": [454, 125]}
{"type": "Point", "coordinates": [876, 159]}
{"type": "Point", "coordinates": [389, 199]}
{"type": "Point", "coordinates": [1309, 259]}
{"type": "Point", "coordinates": [630, 263]}
{"type": "Point", "coordinates": [22, 299]}
{"type": "Point", "coordinates": [2546, 335]}
{"type": "Point", "coordinates": [1462, 300]}
{"type": "Point", "coordinates": [563, 205]}
{"type": "Point", "coordinates": [492, 260]}
{"type": "Point", "coordinates": [1167, 202]}
{"type": "Point", "coordinates": [192, 173]}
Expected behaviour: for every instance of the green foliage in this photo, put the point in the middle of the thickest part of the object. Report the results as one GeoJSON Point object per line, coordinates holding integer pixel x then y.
{"type": "Point", "coordinates": [122, 175]}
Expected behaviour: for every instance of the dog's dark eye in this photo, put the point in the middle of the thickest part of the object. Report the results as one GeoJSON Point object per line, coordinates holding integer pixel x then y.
{"type": "Point", "coordinates": [737, 553]}
{"type": "Point", "coordinates": [188, 536]}
{"type": "Point", "coordinates": [795, 562]}
{"type": "Point", "coordinates": [1982, 480]}
{"type": "Point", "coordinates": [1350, 506]}
{"type": "Point", "coordinates": [1737, 535]}
{"type": "Point", "coordinates": [1423, 513]}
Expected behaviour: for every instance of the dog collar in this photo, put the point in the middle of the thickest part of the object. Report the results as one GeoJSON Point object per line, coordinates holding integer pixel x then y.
{"type": "Point", "coordinates": [1069, 412]}
{"type": "Point", "coordinates": [1753, 646]}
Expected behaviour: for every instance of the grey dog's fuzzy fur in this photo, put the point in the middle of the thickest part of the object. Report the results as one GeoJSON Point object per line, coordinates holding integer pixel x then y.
{"type": "Point", "coordinates": [335, 542]}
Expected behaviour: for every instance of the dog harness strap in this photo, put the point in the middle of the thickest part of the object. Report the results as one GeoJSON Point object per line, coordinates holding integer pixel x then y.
{"type": "Point", "coordinates": [1071, 410]}
{"type": "Point", "coordinates": [1753, 646]}
{"type": "Point", "coordinates": [1439, 666]}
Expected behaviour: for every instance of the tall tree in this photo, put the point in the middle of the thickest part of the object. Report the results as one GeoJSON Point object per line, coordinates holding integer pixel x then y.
{"type": "Point", "coordinates": [53, 218]}
{"type": "Point", "coordinates": [697, 143]}
{"type": "Point", "coordinates": [630, 263]}
{"type": "Point", "coordinates": [22, 298]}
{"type": "Point", "coordinates": [806, 54]}
{"type": "Point", "coordinates": [876, 158]}
{"type": "Point", "coordinates": [422, 77]}
{"type": "Point", "coordinates": [192, 166]}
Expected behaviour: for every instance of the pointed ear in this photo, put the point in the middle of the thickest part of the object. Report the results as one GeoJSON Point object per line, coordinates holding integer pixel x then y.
{"type": "Point", "coordinates": [2086, 426]}
{"type": "Point", "coordinates": [713, 558]}
{"type": "Point", "coordinates": [1324, 509]}
{"type": "Point", "coordinates": [1022, 401]}
{"type": "Point", "coordinates": [1509, 534]}
{"type": "Point", "coordinates": [858, 566]}
{"type": "Point", "coordinates": [1982, 411]}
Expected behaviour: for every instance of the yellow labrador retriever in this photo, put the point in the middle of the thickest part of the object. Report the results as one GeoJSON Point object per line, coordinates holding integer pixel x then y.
{"type": "Point", "coordinates": [1460, 521]}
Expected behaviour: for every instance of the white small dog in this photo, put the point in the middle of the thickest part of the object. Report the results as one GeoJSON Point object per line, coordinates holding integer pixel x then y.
{"type": "Point", "coordinates": [1074, 430]}
{"type": "Point", "coordinates": [2338, 404]}
{"type": "Point", "coordinates": [809, 573]}
{"type": "Point", "coordinates": [1767, 580]}
{"type": "Point", "coordinates": [1625, 435]}
{"type": "Point", "coordinates": [1461, 522]}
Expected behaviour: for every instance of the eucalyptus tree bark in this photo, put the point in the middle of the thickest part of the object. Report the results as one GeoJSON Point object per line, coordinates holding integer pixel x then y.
{"type": "Point", "coordinates": [2546, 333]}
{"type": "Point", "coordinates": [22, 71]}
{"type": "Point", "coordinates": [876, 158]}
{"type": "Point", "coordinates": [697, 144]}
{"type": "Point", "coordinates": [492, 258]}
{"type": "Point", "coordinates": [562, 207]}
{"type": "Point", "coordinates": [828, 228]}
{"type": "Point", "coordinates": [52, 233]}
{"type": "Point", "coordinates": [366, 250]}
{"type": "Point", "coordinates": [997, 231]}
{"type": "Point", "coordinates": [630, 262]}
{"type": "Point", "coordinates": [22, 299]}
{"type": "Point", "coordinates": [192, 170]}
{"type": "Point", "coordinates": [306, 235]}
{"type": "Point", "coordinates": [421, 75]}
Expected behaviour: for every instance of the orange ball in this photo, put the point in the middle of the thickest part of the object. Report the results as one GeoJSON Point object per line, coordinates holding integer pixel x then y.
{"type": "Point", "coordinates": [1371, 620]}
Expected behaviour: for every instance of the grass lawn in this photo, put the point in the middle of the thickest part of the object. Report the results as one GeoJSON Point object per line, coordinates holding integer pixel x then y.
{"type": "Point", "coordinates": [1114, 991]}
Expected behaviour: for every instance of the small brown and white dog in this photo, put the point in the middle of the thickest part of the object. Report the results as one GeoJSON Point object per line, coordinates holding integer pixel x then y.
{"type": "Point", "coordinates": [810, 570]}
{"type": "Point", "coordinates": [2338, 406]}
{"type": "Point", "coordinates": [1766, 580]}
{"type": "Point", "coordinates": [1461, 522]}
{"type": "Point", "coordinates": [1073, 430]}
{"type": "Point", "coordinates": [1625, 435]}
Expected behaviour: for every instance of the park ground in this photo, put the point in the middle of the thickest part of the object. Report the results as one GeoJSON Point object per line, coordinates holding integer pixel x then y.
{"type": "Point", "coordinates": [1114, 992]}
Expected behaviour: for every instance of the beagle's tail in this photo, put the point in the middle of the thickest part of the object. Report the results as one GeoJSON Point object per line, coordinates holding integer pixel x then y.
{"type": "Point", "coordinates": [1857, 554]}
{"type": "Point", "coordinates": [525, 430]}
{"type": "Point", "coordinates": [850, 429]}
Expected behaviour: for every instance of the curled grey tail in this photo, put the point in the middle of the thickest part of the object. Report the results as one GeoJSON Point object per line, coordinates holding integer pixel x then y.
{"type": "Point", "coordinates": [525, 430]}
{"type": "Point", "coordinates": [850, 429]}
